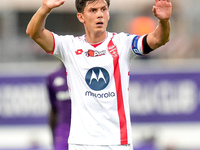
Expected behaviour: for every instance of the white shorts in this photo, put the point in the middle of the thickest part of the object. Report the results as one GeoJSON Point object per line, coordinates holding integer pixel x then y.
{"type": "Point", "coordinates": [99, 147]}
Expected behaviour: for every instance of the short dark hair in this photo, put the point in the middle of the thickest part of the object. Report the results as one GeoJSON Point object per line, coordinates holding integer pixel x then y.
{"type": "Point", "coordinates": [80, 4]}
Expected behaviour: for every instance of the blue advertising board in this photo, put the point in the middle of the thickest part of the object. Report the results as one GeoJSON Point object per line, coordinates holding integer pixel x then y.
{"type": "Point", "coordinates": [154, 98]}
{"type": "Point", "coordinates": [23, 100]}
{"type": "Point", "coordinates": [165, 97]}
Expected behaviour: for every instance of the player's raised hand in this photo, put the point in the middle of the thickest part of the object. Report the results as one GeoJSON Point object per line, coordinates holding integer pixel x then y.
{"type": "Point", "coordinates": [163, 9]}
{"type": "Point", "coordinates": [53, 3]}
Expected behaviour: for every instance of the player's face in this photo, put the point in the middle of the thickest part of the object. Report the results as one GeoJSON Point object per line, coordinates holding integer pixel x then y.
{"type": "Point", "coordinates": [95, 17]}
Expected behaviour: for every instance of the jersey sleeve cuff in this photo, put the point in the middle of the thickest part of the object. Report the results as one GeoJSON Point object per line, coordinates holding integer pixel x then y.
{"type": "Point", "coordinates": [53, 45]}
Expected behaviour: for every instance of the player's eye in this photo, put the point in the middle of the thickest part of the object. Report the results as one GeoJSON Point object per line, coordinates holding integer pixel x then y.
{"type": "Point", "coordinates": [93, 10]}
{"type": "Point", "coordinates": [103, 9]}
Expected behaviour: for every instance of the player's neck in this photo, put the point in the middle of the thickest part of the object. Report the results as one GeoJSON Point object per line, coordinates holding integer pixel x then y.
{"type": "Point", "coordinates": [96, 38]}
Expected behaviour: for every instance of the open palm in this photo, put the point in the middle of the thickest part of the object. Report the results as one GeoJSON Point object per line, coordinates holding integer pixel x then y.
{"type": "Point", "coordinates": [163, 9]}
{"type": "Point", "coordinates": [53, 3]}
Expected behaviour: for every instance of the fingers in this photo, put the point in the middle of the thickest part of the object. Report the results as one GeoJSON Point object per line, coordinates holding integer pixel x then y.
{"type": "Point", "coordinates": [154, 10]}
{"type": "Point", "coordinates": [59, 3]}
{"type": "Point", "coordinates": [53, 3]}
{"type": "Point", "coordinates": [162, 0]}
{"type": "Point", "coordinates": [62, 2]}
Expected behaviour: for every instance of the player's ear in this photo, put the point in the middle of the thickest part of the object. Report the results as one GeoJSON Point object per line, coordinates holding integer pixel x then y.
{"type": "Point", "coordinates": [80, 17]}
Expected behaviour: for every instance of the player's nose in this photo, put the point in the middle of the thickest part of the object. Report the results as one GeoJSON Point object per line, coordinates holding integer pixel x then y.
{"type": "Point", "coordinates": [100, 14]}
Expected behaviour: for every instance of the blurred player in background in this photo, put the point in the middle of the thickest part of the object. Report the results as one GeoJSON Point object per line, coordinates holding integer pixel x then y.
{"type": "Point", "coordinates": [98, 66]}
{"type": "Point", "coordinates": [60, 112]}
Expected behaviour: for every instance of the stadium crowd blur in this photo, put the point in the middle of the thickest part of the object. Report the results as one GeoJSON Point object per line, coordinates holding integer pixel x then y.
{"type": "Point", "coordinates": [16, 46]}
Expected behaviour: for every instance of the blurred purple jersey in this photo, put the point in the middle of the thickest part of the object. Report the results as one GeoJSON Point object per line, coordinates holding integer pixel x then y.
{"type": "Point", "coordinates": [61, 103]}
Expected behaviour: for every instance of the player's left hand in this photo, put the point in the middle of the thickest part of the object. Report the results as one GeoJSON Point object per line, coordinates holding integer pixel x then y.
{"type": "Point", "coordinates": [163, 9]}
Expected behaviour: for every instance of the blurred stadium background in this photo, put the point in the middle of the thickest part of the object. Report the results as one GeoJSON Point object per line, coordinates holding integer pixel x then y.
{"type": "Point", "coordinates": [164, 86]}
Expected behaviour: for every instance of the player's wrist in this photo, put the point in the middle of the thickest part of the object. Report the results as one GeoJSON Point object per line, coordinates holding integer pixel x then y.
{"type": "Point", "coordinates": [164, 21]}
{"type": "Point", "coordinates": [45, 10]}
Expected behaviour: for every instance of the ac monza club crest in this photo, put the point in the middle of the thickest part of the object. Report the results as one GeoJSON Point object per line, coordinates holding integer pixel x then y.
{"type": "Point", "coordinates": [113, 50]}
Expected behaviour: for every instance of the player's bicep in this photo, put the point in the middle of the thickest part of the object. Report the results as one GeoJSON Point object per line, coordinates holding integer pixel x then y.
{"type": "Point", "coordinates": [45, 40]}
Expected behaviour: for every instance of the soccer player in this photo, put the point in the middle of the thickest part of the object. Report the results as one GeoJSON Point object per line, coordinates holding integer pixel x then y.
{"type": "Point", "coordinates": [97, 65]}
{"type": "Point", "coordinates": [60, 112]}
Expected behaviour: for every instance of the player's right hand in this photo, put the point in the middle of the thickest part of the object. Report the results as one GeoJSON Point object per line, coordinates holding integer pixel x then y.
{"type": "Point", "coordinates": [50, 4]}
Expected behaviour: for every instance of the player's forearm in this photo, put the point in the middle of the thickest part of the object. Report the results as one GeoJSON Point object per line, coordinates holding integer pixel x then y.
{"type": "Point", "coordinates": [163, 31]}
{"type": "Point", "coordinates": [161, 35]}
{"type": "Point", "coordinates": [37, 23]}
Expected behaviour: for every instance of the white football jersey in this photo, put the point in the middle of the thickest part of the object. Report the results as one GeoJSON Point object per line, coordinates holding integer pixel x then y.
{"type": "Point", "coordinates": [98, 80]}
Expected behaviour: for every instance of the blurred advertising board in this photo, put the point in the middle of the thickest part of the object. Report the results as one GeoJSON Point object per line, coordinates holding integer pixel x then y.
{"type": "Point", "coordinates": [23, 100]}
{"type": "Point", "coordinates": [154, 98]}
{"type": "Point", "coordinates": [165, 97]}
